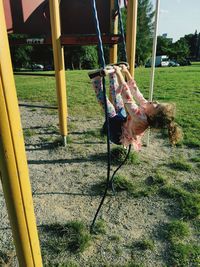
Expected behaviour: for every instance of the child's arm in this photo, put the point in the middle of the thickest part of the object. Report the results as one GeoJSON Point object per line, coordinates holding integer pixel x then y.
{"type": "Point", "coordinates": [127, 97]}
{"type": "Point", "coordinates": [133, 87]}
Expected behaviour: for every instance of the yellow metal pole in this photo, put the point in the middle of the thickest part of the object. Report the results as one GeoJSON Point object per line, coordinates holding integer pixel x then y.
{"type": "Point", "coordinates": [58, 53]}
{"type": "Point", "coordinates": [13, 162]}
{"type": "Point", "coordinates": [131, 33]}
{"type": "Point", "coordinates": [114, 30]}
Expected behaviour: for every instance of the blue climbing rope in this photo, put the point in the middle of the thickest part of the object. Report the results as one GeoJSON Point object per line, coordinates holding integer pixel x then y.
{"type": "Point", "coordinates": [102, 61]}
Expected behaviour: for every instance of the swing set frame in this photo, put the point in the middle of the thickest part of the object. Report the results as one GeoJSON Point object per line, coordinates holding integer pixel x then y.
{"type": "Point", "coordinates": [13, 162]}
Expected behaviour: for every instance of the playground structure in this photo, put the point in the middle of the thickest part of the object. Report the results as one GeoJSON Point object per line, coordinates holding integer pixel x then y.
{"type": "Point", "coordinates": [22, 16]}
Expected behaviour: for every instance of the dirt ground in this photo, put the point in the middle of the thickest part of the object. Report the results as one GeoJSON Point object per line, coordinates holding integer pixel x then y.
{"type": "Point", "coordinates": [63, 184]}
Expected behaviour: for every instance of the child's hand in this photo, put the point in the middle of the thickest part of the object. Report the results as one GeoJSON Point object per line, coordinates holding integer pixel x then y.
{"type": "Point", "coordinates": [124, 68]}
{"type": "Point", "coordinates": [119, 74]}
{"type": "Point", "coordinates": [117, 69]}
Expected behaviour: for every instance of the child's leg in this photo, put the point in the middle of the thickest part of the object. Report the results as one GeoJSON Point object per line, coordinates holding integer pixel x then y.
{"type": "Point", "coordinates": [116, 96]}
{"type": "Point", "coordinates": [98, 87]}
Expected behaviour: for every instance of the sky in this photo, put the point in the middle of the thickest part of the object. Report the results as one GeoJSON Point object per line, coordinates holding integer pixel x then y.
{"type": "Point", "coordinates": [178, 17]}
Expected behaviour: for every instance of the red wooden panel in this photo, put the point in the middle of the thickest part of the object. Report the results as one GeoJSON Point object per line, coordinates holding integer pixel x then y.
{"type": "Point", "coordinates": [32, 16]}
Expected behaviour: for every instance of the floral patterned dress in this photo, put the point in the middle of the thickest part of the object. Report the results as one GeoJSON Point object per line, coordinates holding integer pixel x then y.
{"type": "Point", "coordinates": [135, 124]}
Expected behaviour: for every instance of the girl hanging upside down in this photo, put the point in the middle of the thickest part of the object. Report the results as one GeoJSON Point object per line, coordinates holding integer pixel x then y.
{"type": "Point", "coordinates": [127, 128]}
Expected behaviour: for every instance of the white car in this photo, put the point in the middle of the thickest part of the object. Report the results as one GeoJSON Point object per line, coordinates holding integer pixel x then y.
{"type": "Point", "coordinates": [37, 67]}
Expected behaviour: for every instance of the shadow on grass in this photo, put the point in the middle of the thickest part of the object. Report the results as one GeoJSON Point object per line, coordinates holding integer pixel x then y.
{"type": "Point", "coordinates": [34, 74]}
{"type": "Point", "coordinates": [44, 130]}
{"type": "Point", "coordinates": [37, 106]}
{"type": "Point", "coordinates": [94, 158]}
{"type": "Point", "coordinates": [41, 146]}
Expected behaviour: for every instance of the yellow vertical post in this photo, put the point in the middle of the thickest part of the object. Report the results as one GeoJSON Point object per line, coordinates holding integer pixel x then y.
{"type": "Point", "coordinates": [131, 31]}
{"type": "Point", "coordinates": [114, 30]}
{"type": "Point", "coordinates": [13, 163]}
{"type": "Point", "coordinates": [58, 53]}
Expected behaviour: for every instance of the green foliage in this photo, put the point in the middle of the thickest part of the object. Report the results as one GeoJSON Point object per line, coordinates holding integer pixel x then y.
{"type": "Point", "coordinates": [192, 41]}
{"type": "Point", "coordinates": [178, 51]}
{"type": "Point", "coordinates": [176, 230]}
{"type": "Point", "coordinates": [182, 255]}
{"type": "Point", "coordinates": [163, 46]}
{"type": "Point", "coordinates": [81, 57]}
{"type": "Point", "coordinates": [72, 236]}
{"type": "Point", "coordinates": [144, 31]}
{"type": "Point", "coordinates": [20, 55]}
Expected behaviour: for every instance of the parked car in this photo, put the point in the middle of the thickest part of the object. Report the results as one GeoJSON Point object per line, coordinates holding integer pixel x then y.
{"type": "Point", "coordinates": [37, 67]}
{"type": "Point", "coordinates": [173, 63]}
{"type": "Point", "coordinates": [48, 67]}
{"type": "Point", "coordinates": [160, 61]}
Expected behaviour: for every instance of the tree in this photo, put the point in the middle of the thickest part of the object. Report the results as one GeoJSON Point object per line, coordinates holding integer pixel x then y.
{"type": "Point", "coordinates": [193, 43]}
{"type": "Point", "coordinates": [180, 51]}
{"type": "Point", "coordinates": [42, 54]}
{"type": "Point", "coordinates": [164, 46]}
{"type": "Point", "coordinates": [144, 31]}
{"type": "Point", "coordinates": [78, 57]}
{"type": "Point", "coordinates": [198, 48]}
{"type": "Point", "coordinates": [21, 55]}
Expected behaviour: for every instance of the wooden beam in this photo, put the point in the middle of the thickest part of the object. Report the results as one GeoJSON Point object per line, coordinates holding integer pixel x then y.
{"type": "Point", "coordinates": [69, 40]}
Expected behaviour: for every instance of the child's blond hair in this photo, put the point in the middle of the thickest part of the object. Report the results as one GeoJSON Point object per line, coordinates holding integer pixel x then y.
{"type": "Point", "coordinates": [164, 118]}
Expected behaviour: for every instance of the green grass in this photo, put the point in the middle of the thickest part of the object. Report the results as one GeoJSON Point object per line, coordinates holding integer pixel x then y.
{"type": "Point", "coordinates": [180, 164]}
{"type": "Point", "coordinates": [122, 183]}
{"type": "Point", "coordinates": [145, 244]}
{"type": "Point", "coordinates": [188, 202]}
{"type": "Point", "coordinates": [100, 227]}
{"type": "Point", "coordinates": [180, 251]}
{"type": "Point", "coordinates": [179, 85]}
{"type": "Point", "coordinates": [193, 187]}
{"type": "Point", "coordinates": [72, 236]}
{"type": "Point", "coordinates": [158, 179]}
{"type": "Point", "coordinates": [176, 230]}
{"type": "Point", "coordinates": [65, 264]}
{"type": "Point", "coordinates": [182, 255]}
{"type": "Point", "coordinates": [28, 132]}
{"type": "Point", "coordinates": [118, 154]}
